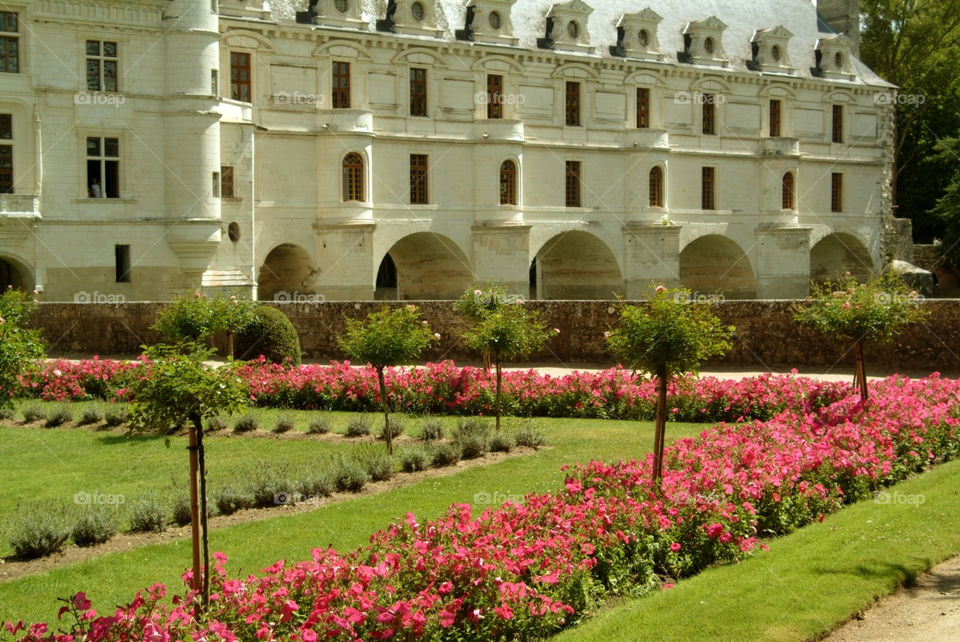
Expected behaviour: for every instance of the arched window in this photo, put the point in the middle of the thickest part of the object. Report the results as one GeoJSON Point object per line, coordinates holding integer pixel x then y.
{"type": "Point", "coordinates": [353, 177]}
{"type": "Point", "coordinates": [508, 183]}
{"type": "Point", "coordinates": [656, 187]}
{"type": "Point", "coordinates": [787, 192]}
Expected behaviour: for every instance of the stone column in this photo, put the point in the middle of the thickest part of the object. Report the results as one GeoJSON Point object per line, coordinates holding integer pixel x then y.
{"type": "Point", "coordinates": [783, 262]}
{"type": "Point", "coordinates": [652, 257]}
{"type": "Point", "coordinates": [501, 255]}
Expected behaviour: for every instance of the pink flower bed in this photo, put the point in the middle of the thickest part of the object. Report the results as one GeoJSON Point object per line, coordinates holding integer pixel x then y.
{"type": "Point", "coordinates": [444, 388]}
{"type": "Point", "coordinates": [527, 570]}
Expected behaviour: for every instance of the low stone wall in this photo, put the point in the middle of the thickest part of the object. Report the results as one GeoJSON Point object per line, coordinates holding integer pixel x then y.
{"type": "Point", "coordinates": [767, 337]}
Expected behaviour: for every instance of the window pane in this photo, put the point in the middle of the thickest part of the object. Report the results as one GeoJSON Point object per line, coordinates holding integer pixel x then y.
{"type": "Point", "coordinates": [109, 75]}
{"type": "Point", "coordinates": [6, 126]}
{"type": "Point", "coordinates": [93, 75]}
{"type": "Point", "coordinates": [111, 179]}
{"type": "Point", "coordinates": [93, 48]}
{"type": "Point", "coordinates": [9, 57]}
{"type": "Point", "coordinates": [8, 21]}
{"type": "Point", "coordinates": [111, 147]}
{"type": "Point", "coordinates": [494, 96]}
{"type": "Point", "coordinates": [93, 147]}
{"type": "Point", "coordinates": [110, 49]}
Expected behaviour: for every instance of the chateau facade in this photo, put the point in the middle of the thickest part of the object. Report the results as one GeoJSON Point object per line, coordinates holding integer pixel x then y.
{"type": "Point", "coordinates": [406, 150]}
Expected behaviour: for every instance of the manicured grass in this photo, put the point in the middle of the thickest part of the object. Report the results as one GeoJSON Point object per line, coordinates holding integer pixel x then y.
{"type": "Point", "coordinates": [114, 579]}
{"type": "Point", "coordinates": [809, 581]}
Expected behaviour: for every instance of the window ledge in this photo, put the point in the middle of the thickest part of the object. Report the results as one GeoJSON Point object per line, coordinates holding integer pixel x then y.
{"type": "Point", "coordinates": [90, 199]}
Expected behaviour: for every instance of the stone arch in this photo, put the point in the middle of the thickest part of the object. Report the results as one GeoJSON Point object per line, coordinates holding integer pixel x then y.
{"type": "Point", "coordinates": [714, 263]}
{"type": "Point", "coordinates": [287, 272]}
{"type": "Point", "coordinates": [837, 253]}
{"type": "Point", "coordinates": [427, 266]}
{"type": "Point", "coordinates": [577, 265]}
{"type": "Point", "coordinates": [16, 274]}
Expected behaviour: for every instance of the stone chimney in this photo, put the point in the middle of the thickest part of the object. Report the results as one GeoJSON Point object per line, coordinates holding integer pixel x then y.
{"type": "Point", "coordinates": [842, 16]}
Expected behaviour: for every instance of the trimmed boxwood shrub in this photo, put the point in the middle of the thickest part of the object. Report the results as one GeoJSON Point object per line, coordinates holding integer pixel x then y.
{"type": "Point", "coordinates": [270, 334]}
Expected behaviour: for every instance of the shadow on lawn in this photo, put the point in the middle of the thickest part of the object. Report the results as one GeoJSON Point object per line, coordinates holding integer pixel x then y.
{"type": "Point", "coordinates": [897, 574]}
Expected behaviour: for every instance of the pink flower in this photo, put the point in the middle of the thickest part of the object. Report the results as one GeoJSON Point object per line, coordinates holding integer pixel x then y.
{"type": "Point", "coordinates": [660, 288]}
{"type": "Point", "coordinates": [675, 547]}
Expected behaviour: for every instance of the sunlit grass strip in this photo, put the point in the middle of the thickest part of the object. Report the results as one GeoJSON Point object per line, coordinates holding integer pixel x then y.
{"type": "Point", "coordinates": [809, 581]}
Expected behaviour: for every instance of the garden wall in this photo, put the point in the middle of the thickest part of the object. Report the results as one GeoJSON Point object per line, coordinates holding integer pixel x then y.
{"type": "Point", "coordinates": [767, 337]}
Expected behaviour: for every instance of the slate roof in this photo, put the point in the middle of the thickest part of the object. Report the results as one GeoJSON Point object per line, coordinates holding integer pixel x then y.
{"type": "Point", "coordinates": [743, 17]}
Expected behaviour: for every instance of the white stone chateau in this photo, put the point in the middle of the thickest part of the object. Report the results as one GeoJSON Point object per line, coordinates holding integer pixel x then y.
{"type": "Point", "coordinates": [337, 149]}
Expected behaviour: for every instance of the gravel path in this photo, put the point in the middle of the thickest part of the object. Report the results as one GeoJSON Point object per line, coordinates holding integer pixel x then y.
{"type": "Point", "coordinates": [929, 611]}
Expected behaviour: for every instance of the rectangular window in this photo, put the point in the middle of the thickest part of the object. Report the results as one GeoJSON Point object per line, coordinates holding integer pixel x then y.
{"type": "Point", "coordinates": [573, 184]}
{"type": "Point", "coordinates": [838, 123]}
{"type": "Point", "coordinates": [573, 104]}
{"type": "Point", "coordinates": [226, 182]}
{"type": "Point", "coordinates": [418, 92]}
{"type": "Point", "coordinates": [494, 96]}
{"type": "Point", "coordinates": [6, 154]}
{"type": "Point", "coordinates": [215, 184]}
{"type": "Point", "coordinates": [643, 108]}
{"type": "Point", "coordinates": [774, 118]}
{"type": "Point", "coordinates": [836, 192]}
{"type": "Point", "coordinates": [121, 255]}
{"type": "Point", "coordinates": [341, 85]}
{"type": "Point", "coordinates": [9, 43]}
{"type": "Point", "coordinates": [709, 114]}
{"type": "Point", "coordinates": [707, 189]}
{"type": "Point", "coordinates": [240, 76]}
{"type": "Point", "coordinates": [214, 82]}
{"type": "Point", "coordinates": [103, 167]}
{"type": "Point", "coordinates": [418, 179]}
{"type": "Point", "coordinates": [101, 65]}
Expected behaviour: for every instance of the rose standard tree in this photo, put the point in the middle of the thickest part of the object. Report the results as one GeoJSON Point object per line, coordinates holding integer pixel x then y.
{"type": "Point", "coordinates": [855, 313]}
{"type": "Point", "coordinates": [179, 389]}
{"type": "Point", "coordinates": [198, 317]}
{"type": "Point", "coordinates": [390, 337]}
{"type": "Point", "coordinates": [502, 329]}
{"type": "Point", "coordinates": [668, 336]}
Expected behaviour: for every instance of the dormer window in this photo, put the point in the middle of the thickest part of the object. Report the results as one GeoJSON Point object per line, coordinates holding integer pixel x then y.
{"type": "Point", "coordinates": [488, 21]}
{"type": "Point", "coordinates": [770, 53]}
{"type": "Point", "coordinates": [703, 43]}
{"type": "Point", "coordinates": [637, 36]}
{"type": "Point", "coordinates": [565, 27]}
{"type": "Point", "coordinates": [833, 58]}
{"type": "Point", "coordinates": [335, 13]}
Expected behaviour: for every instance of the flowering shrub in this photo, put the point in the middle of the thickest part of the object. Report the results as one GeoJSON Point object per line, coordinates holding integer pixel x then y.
{"type": "Point", "coordinates": [444, 388]}
{"type": "Point", "coordinates": [526, 570]}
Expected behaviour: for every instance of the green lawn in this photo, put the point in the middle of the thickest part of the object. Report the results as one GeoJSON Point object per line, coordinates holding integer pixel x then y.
{"type": "Point", "coordinates": [59, 463]}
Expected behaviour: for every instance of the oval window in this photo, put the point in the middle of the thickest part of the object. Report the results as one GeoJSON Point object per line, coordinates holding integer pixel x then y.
{"type": "Point", "coordinates": [775, 52]}
{"type": "Point", "coordinates": [233, 232]}
{"type": "Point", "coordinates": [573, 29]}
{"type": "Point", "coordinates": [644, 38]}
{"type": "Point", "coordinates": [416, 10]}
{"type": "Point", "coordinates": [708, 45]}
{"type": "Point", "coordinates": [494, 21]}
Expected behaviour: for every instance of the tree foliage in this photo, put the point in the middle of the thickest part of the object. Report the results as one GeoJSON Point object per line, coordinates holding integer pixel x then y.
{"type": "Point", "coordinates": [389, 337]}
{"type": "Point", "coordinates": [669, 335]}
{"type": "Point", "coordinates": [915, 44]}
{"type": "Point", "coordinates": [501, 329]}
{"type": "Point", "coordinates": [198, 317]}
{"type": "Point", "coordinates": [855, 313]}
{"type": "Point", "coordinates": [20, 346]}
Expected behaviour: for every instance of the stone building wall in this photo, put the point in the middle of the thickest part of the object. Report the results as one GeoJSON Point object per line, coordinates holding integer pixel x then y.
{"type": "Point", "coordinates": [767, 337]}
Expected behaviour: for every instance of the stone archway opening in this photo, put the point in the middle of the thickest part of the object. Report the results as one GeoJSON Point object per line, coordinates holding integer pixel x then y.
{"type": "Point", "coordinates": [714, 264]}
{"type": "Point", "coordinates": [425, 266]}
{"type": "Point", "coordinates": [287, 274]}
{"type": "Point", "coordinates": [836, 254]}
{"type": "Point", "coordinates": [15, 276]}
{"type": "Point", "coordinates": [578, 266]}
